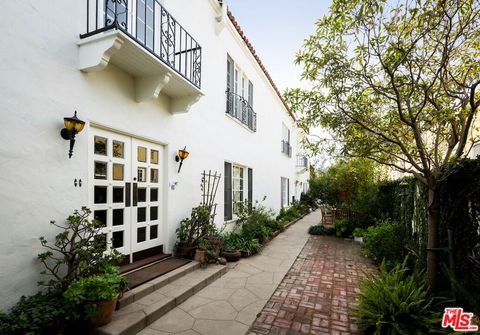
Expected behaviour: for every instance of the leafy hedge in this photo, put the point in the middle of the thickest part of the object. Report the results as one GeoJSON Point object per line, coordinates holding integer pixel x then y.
{"type": "Point", "coordinates": [404, 201]}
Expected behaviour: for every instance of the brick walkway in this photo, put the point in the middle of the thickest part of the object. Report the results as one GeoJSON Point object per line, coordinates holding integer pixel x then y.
{"type": "Point", "coordinates": [316, 294]}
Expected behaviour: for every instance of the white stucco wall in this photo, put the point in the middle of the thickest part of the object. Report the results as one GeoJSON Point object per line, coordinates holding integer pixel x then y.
{"type": "Point", "coordinates": [40, 84]}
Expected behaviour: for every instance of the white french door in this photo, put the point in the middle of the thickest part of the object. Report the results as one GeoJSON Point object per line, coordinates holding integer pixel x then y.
{"type": "Point", "coordinates": [125, 190]}
{"type": "Point", "coordinates": [146, 205]}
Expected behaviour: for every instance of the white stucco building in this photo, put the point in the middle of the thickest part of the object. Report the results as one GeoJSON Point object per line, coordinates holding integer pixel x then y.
{"type": "Point", "coordinates": [148, 77]}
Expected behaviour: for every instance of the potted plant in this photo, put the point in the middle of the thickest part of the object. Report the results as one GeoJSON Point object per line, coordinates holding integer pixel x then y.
{"type": "Point", "coordinates": [358, 234]}
{"type": "Point", "coordinates": [185, 247]}
{"type": "Point", "coordinates": [97, 294]}
{"type": "Point", "coordinates": [249, 246]}
{"type": "Point", "coordinates": [230, 252]}
{"type": "Point", "coordinates": [201, 252]}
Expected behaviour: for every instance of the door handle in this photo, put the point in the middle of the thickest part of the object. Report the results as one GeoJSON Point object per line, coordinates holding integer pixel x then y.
{"type": "Point", "coordinates": [135, 194]}
{"type": "Point", "coordinates": [127, 194]}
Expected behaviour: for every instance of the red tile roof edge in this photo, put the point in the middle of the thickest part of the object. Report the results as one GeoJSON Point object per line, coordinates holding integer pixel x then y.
{"type": "Point", "coordinates": [254, 54]}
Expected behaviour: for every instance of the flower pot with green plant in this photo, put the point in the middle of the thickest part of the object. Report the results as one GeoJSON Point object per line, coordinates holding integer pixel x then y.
{"type": "Point", "coordinates": [230, 249]}
{"type": "Point", "coordinates": [97, 294]}
{"type": "Point", "coordinates": [358, 234]}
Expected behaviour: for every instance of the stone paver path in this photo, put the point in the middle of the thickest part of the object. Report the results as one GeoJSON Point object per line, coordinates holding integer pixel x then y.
{"type": "Point", "coordinates": [231, 304]}
{"type": "Point", "coordinates": [318, 291]}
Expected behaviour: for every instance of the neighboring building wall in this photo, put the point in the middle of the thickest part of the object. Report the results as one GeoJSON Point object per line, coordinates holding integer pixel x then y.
{"type": "Point", "coordinates": [40, 84]}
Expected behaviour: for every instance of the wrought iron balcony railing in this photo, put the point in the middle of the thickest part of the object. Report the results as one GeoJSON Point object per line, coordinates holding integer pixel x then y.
{"type": "Point", "coordinates": [152, 27]}
{"type": "Point", "coordinates": [286, 148]}
{"type": "Point", "coordinates": [240, 109]}
{"type": "Point", "coordinates": [302, 161]}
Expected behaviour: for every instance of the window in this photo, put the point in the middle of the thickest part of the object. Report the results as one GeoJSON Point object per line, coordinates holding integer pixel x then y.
{"type": "Point", "coordinates": [286, 147]}
{"type": "Point", "coordinates": [285, 196]}
{"type": "Point", "coordinates": [240, 96]}
{"type": "Point", "coordinates": [237, 188]}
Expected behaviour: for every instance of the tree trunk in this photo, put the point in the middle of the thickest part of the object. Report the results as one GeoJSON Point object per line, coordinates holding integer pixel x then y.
{"type": "Point", "coordinates": [433, 219]}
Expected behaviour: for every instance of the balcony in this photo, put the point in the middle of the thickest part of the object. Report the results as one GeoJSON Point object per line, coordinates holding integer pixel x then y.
{"type": "Point", "coordinates": [286, 148]}
{"type": "Point", "coordinates": [302, 163]}
{"type": "Point", "coordinates": [240, 109]}
{"type": "Point", "coordinates": [143, 39]}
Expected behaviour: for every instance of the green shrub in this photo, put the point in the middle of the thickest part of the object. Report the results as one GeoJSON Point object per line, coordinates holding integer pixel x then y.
{"type": "Point", "coordinates": [344, 227]}
{"type": "Point", "coordinates": [395, 302]}
{"type": "Point", "coordinates": [40, 314]}
{"type": "Point", "coordinates": [385, 241]}
{"type": "Point", "coordinates": [84, 291]}
{"type": "Point", "coordinates": [255, 222]}
{"type": "Point", "coordinates": [358, 232]}
{"type": "Point", "coordinates": [320, 230]}
{"type": "Point", "coordinates": [290, 214]}
{"type": "Point", "coordinates": [78, 251]}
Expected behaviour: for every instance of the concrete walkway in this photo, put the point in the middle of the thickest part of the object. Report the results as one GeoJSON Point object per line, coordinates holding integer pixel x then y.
{"type": "Point", "coordinates": [231, 304]}
{"type": "Point", "coordinates": [316, 295]}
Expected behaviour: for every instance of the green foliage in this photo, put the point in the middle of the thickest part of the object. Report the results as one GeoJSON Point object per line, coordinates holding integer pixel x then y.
{"type": "Point", "coordinates": [255, 222]}
{"type": "Point", "coordinates": [358, 232]}
{"type": "Point", "coordinates": [78, 251]}
{"type": "Point", "coordinates": [321, 230]}
{"type": "Point", "coordinates": [350, 185]}
{"type": "Point", "coordinates": [290, 214]}
{"type": "Point", "coordinates": [40, 314]}
{"type": "Point", "coordinates": [106, 286]}
{"type": "Point", "coordinates": [344, 227]}
{"type": "Point", "coordinates": [396, 302]}
{"type": "Point", "coordinates": [198, 226]}
{"type": "Point", "coordinates": [206, 245]}
{"type": "Point", "coordinates": [386, 242]}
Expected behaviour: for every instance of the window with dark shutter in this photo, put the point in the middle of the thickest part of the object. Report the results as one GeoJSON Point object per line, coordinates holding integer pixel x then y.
{"type": "Point", "coordinates": [228, 192]}
{"type": "Point", "coordinates": [250, 188]}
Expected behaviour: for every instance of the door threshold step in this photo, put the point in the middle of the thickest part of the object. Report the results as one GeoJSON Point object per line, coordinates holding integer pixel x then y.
{"type": "Point", "coordinates": [151, 271]}
{"type": "Point", "coordinates": [141, 312]}
{"type": "Point", "coordinates": [141, 263]}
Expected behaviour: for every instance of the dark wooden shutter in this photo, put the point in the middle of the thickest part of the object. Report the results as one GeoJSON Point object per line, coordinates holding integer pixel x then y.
{"type": "Point", "coordinates": [250, 93]}
{"type": "Point", "coordinates": [250, 189]}
{"type": "Point", "coordinates": [288, 191]}
{"type": "Point", "coordinates": [229, 74]}
{"type": "Point", "coordinates": [227, 211]}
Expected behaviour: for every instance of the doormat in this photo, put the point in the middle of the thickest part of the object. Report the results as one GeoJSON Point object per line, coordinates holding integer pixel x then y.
{"type": "Point", "coordinates": [148, 273]}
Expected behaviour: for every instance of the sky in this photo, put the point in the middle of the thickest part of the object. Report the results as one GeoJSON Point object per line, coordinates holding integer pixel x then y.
{"type": "Point", "coordinates": [277, 30]}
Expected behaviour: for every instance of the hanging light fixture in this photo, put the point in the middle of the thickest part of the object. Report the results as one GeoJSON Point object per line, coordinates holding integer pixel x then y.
{"type": "Point", "coordinates": [181, 156]}
{"type": "Point", "coordinates": [73, 126]}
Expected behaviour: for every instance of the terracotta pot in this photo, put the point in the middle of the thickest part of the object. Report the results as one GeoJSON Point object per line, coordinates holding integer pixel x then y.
{"type": "Point", "coordinates": [215, 242]}
{"type": "Point", "coordinates": [232, 256]}
{"type": "Point", "coordinates": [201, 256]}
{"type": "Point", "coordinates": [105, 309]}
{"type": "Point", "coordinates": [186, 252]}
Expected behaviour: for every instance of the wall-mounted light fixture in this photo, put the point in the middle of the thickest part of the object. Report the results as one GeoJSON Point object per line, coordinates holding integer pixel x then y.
{"type": "Point", "coordinates": [73, 125]}
{"type": "Point", "coordinates": [182, 155]}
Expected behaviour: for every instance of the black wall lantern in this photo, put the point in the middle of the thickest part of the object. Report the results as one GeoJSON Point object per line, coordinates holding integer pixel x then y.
{"type": "Point", "coordinates": [182, 154]}
{"type": "Point", "coordinates": [73, 125]}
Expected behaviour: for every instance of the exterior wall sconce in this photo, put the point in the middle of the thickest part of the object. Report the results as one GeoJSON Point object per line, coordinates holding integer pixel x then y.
{"type": "Point", "coordinates": [73, 125]}
{"type": "Point", "coordinates": [182, 155]}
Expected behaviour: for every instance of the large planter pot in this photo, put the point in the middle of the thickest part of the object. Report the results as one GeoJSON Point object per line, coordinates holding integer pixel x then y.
{"type": "Point", "coordinates": [358, 239]}
{"type": "Point", "coordinates": [201, 256]}
{"type": "Point", "coordinates": [215, 242]}
{"type": "Point", "coordinates": [186, 252]}
{"type": "Point", "coordinates": [105, 309]}
{"type": "Point", "coordinates": [232, 256]}
{"type": "Point", "coordinates": [244, 254]}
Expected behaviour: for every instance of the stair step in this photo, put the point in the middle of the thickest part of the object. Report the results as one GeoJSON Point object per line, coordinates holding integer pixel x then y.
{"type": "Point", "coordinates": [141, 291]}
{"type": "Point", "coordinates": [163, 296]}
